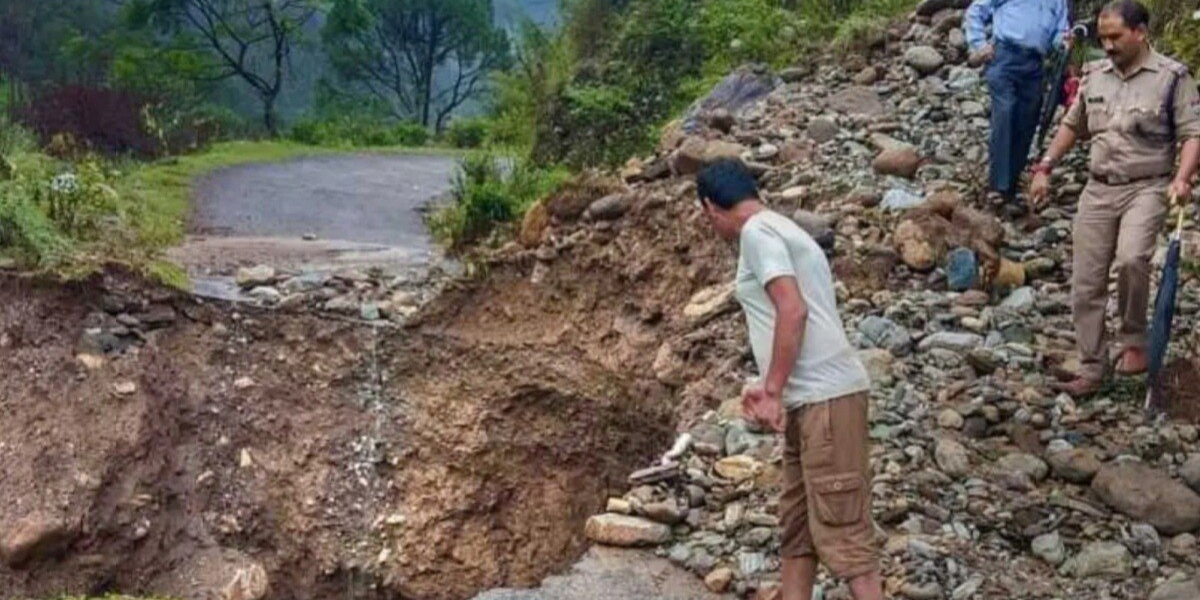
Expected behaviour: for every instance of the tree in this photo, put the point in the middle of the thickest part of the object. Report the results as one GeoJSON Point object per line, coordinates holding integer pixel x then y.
{"type": "Point", "coordinates": [54, 42]}
{"type": "Point", "coordinates": [246, 39]}
{"type": "Point", "coordinates": [424, 58]}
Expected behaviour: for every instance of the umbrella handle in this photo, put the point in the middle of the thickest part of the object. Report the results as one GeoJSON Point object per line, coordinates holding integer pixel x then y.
{"type": "Point", "coordinates": [1179, 221]}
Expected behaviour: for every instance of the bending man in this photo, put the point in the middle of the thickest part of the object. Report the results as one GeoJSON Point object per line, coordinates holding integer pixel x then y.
{"type": "Point", "coordinates": [813, 388]}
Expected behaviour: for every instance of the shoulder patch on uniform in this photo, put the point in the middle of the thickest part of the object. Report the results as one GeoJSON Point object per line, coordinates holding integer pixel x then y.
{"type": "Point", "coordinates": [1173, 65]}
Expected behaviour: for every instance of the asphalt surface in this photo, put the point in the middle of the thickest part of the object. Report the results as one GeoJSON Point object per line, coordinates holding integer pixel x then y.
{"type": "Point", "coordinates": [366, 198]}
{"type": "Point", "coordinates": [313, 214]}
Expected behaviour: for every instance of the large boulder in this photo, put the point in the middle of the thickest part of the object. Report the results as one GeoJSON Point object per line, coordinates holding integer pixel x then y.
{"type": "Point", "coordinates": [625, 531]}
{"type": "Point", "coordinates": [857, 100]}
{"type": "Point", "coordinates": [1187, 589]}
{"type": "Point", "coordinates": [823, 129]}
{"type": "Point", "coordinates": [1147, 494]}
{"type": "Point", "coordinates": [951, 458]}
{"type": "Point", "coordinates": [1190, 472]}
{"type": "Point", "coordinates": [1024, 464]}
{"type": "Point", "coordinates": [535, 223]}
{"type": "Point", "coordinates": [900, 161]}
{"type": "Point", "coordinates": [1100, 559]}
{"type": "Point", "coordinates": [739, 91]}
{"type": "Point", "coordinates": [608, 208]}
{"type": "Point", "coordinates": [925, 59]}
{"type": "Point", "coordinates": [697, 153]}
{"type": "Point", "coordinates": [925, 237]}
{"type": "Point", "coordinates": [886, 334]}
{"type": "Point", "coordinates": [573, 198]}
{"type": "Point", "coordinates": [1077, 465]}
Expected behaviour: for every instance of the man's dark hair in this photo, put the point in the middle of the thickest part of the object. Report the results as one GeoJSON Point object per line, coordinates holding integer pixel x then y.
{"type": "Point", "coordinates": [1133, 13]}
{"type": "Point", "coordinates": [726, 183]}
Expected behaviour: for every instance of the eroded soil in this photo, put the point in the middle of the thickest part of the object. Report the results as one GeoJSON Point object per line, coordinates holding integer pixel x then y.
{"type": "Point", "coordinates": [432, 462]}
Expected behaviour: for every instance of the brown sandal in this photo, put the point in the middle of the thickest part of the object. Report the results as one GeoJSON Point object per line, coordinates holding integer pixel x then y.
{"type": "Point", "coordinates": [1132, 366]}
{"type": "Point", "coordinates": [1079, 387]}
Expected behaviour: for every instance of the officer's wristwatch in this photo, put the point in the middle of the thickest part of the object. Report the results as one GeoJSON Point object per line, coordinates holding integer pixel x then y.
{"type": "Point", "coordinates": [1044, 167]}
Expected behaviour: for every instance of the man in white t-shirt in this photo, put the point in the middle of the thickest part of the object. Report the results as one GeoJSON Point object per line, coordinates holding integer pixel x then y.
{"type": "Point", "coordinates": [812, 389]}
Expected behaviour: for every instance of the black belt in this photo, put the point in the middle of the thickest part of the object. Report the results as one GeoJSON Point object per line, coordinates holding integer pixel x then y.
{"type": "Point", "coordinates": [1123, 179]}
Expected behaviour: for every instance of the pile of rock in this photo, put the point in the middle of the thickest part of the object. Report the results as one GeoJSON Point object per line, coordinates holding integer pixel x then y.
{"type": "Point", "coordinates": [987, 484]}
{"type": "Point", "coordinates": [353, 293]}
{"type": "Point", "coordinates": [122, 322]}
{"type": "Point", "coordinates": [958, 491]}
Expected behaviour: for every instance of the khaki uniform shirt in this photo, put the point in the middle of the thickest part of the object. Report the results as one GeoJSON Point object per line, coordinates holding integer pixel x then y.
{"type": "Point", "coordinates": [1126, 120]}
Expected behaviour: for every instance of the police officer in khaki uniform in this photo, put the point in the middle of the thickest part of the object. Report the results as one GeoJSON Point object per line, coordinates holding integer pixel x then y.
{"type": "Point", "coordinates": [1136, 107]}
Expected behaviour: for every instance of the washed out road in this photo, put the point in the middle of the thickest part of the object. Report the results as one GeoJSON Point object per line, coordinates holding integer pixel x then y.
{"type": "Point", "coordinates": [355, 210]}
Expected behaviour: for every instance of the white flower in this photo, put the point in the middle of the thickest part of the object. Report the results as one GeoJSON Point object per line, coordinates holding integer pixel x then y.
{"type": "Point", "coordinates": [66, 183]}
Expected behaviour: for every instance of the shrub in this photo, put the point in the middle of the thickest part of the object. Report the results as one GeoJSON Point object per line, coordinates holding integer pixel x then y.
{"type": "Point", "coordinates": [59, 214]}
{"type": "Point", "coordinates": [79, 201]}
{"type": "Point", "coordinates": [15, 139]}
{"type": "Point", "coordinates": [188, 130]}
{"type": "Point", "coordinates": [27, 232]}
{"type": "Point", "coordinates": [467, 133]}
{"type": "Point", "coordinates": [738, 31]}
{"type": "Point", "coordinates": [407, 133]}
{"type": "Point", "coordinates": [355, 131]}
{"type": "Point", "coordinates": [1176, 24]}
{"type": "Point", "coordinates": [306, 131]}
{"type": "Point", "coordinates": [602, 126]}
{"type": "Point", "coordinates": [489, 192]}
{"type": "Point", "coordinates": [524, 96]}
{"type": "Point", "coordinates": [74, 120]}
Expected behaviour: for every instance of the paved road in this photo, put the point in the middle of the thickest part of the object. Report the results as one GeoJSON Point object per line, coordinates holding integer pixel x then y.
{"type": "Point", "coordinates": [366, 198]}
{"type": "Point", "coordinates": [363, 209]}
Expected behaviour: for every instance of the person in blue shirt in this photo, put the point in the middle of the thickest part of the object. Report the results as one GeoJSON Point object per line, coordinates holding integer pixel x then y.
{"type": "Point", "coordinates": [1023, 32]}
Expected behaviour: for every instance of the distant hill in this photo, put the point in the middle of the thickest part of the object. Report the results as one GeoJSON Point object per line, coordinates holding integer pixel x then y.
{"type": "Point", "coordinates": [509, 13]}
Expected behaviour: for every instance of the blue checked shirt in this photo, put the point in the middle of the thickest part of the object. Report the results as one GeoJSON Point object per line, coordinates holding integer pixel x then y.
{"type": "Point", "coordinates": [1035, 24]}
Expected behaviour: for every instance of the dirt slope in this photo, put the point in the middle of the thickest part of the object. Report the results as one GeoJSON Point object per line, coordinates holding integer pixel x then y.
{"type": "Point", "coordinates": [434, 462]}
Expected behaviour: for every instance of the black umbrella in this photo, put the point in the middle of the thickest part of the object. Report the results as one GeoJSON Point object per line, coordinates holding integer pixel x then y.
{"type": "Point", "coordinates": [1160, 327]}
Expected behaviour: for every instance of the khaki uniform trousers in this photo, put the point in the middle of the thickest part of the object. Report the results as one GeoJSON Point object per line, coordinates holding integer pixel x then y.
{"type": "Point", "coordinates": [1115, 225]}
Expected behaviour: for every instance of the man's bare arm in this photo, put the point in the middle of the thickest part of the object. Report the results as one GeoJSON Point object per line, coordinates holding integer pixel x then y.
{"type": "Point", "coordinates": [791, 319]}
